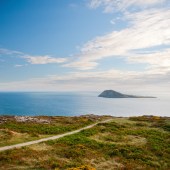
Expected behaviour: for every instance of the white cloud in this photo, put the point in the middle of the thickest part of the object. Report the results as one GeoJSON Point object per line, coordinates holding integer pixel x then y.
{"type": "Point", "coordinates": [122, 5]}
{"type": "Point", "coordinates": [44, 59]}
{"type": "Point", "coordinates": [18, 65]}
{"type": "Point", "coordinates": [149, 28]}
{"type": "Point", "coordinates": [82, 65]}
{"type": "Point", "coordinates": [4, 51]}
{"type": "Point", "coordinates": [93, 81]}
{"type": "Point", "coordinates": [159, 62]}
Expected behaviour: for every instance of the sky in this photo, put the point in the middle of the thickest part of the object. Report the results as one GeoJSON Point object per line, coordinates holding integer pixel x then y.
{"type": "Point", "coordinates": [85, 45]}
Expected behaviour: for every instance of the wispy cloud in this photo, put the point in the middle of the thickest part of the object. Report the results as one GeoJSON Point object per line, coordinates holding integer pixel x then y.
{"type": "Point", "coordinates": [122, 5]}
{"type": "Point", "coordinates": [82, 64]}
{"type": "Point", "coordinates": [4, 51]}
{"type": "Point", "coordinates": [148, 29]}
{"type": "Point", "coordinates": [44, 59]}
{"type": "Point", "coordinates": [159, 62]}
{"type": "Point", "coordinates": [94, 80]}
{"type": "Point", "coordinates": [18, 65]}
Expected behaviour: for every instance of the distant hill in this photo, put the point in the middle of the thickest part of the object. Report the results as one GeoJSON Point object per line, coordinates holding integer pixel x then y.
{"type": "Point", "coordinates": [115, 94]}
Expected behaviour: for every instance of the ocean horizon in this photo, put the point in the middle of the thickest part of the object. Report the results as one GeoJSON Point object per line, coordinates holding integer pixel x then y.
{"type": "Point", "coordinates": [75, 104]}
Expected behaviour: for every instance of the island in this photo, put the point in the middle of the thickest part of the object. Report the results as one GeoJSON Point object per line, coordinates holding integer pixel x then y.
{"type": "Point", "coordinates": [115, 94]}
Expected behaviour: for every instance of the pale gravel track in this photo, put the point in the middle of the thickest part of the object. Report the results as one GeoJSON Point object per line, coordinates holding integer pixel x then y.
{"type": "Point", "coordinates": [50, 138]}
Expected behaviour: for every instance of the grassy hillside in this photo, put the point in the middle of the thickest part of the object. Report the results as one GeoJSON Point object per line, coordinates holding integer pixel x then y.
{"type": "Point", "coordinates": [15, 130]}
{"type": "Point", "coordinates": [125, 143]}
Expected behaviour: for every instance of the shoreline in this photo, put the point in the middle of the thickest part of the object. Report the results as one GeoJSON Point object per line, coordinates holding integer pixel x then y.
{"type": "Point", "coordinates": [45, 119]}
{"type": "Point", "coordinates": [82, 115]}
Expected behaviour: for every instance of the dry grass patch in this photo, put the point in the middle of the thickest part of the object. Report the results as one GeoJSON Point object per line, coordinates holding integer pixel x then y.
{"type": "Point", "coordinates": [134, 140]}
{"type": "Point", "coordinates": [4, 135]}
{"type": "Point", "coordinates": [119, 139]}
{"type": "Point", "coordinates": [84, 167]}
{"type": "Point", "coordinates": [18, 167]}
{"type": "Point", "coordinates": [101, 164]}
{"type": "Point", "coordinates": [100, 137]}
{"type": "Point", "coordinates": [40, 147]}
{"type": "Point", "coordinates": [123, 120]}
{"type": "Point", "coordinates": [9, 137]}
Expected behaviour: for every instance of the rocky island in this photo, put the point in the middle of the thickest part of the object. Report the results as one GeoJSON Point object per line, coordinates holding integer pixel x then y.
{"type": "Point", "coordinates": [115, 94]}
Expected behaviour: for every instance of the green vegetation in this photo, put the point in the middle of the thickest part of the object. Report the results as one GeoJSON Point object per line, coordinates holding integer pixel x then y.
{"type": "Point", "coordinates": [127, 144]}
{"type": "Point", "coordinates": [158, 122]}
{"type": "Point", "coordinates": [13, 131]}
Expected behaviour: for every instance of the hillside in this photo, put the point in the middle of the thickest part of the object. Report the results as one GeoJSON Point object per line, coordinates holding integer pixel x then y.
{"type": "Point", "coordinates": [125, 143]}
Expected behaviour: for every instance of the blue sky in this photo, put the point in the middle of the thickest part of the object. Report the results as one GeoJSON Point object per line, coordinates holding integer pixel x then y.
{"type": "Point", "coordinates": [84, 45]}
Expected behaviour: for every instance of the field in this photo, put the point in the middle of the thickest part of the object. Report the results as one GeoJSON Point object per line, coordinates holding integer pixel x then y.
{"type": "Point", "coordinates": [124, 143]}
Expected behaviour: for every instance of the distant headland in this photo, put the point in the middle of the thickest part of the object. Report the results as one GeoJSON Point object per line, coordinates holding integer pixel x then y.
{"type": "Point", "coordinates": [115, 94]}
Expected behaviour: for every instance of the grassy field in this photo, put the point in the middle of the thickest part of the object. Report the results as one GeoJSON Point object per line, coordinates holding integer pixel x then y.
{"type": "Point", "coordinates": [15, 130]}
{"type": "Point", "coordinates": [125, 144]}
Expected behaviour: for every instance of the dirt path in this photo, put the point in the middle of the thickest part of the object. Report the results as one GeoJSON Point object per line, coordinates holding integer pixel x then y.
{"type": "Point", "coordinates": [50, 138]}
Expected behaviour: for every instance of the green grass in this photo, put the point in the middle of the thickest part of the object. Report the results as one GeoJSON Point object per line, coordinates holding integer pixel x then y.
{"type": "Point", "coordinates": [37, 128]}
{"type": "Point", "coordinates": [13, 132]}
{"type": "Point", "coordinates": [121, 144]}
{"type": "Point", "coordinates": [33, 128]}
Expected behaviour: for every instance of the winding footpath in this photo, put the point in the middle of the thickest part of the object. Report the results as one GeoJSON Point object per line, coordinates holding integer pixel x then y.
{"type": "Point", "coordinates": [50, 138]}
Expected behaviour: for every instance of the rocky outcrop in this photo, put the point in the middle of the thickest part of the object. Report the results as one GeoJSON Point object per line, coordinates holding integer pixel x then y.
{"type": "Point", "coordinates": [31, 119]}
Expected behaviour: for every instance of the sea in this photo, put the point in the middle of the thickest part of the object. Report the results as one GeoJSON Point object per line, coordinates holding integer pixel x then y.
{"type": "Point", "coordinates": [75, 104]}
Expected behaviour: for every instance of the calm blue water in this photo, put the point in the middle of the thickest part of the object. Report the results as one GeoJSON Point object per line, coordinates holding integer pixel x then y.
{"type": "Point", "coordinates": [69, 104]}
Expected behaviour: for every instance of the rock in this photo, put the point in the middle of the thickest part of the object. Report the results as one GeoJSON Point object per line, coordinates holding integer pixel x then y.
{"type": "Point", "coordinates": [31, 119]}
